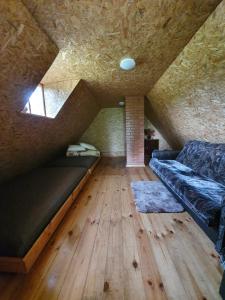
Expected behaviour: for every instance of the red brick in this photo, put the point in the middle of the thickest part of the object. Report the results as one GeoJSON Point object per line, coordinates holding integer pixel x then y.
{"type": "Point", "coordinates": [135, 130]}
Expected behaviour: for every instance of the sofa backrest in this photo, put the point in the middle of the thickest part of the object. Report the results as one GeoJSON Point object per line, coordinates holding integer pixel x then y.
{"type": "Point", "coordinates": [205, 159]}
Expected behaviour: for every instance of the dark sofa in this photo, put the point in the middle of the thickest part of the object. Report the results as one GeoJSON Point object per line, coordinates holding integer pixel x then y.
{"type": "Point", "coordinates": [29, 202]}
{"type": "Point", "coordinates": [196, 176]}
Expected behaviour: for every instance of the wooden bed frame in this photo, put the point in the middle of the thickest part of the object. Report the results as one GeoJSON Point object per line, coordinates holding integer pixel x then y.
{"type": "Point", "coordinates": [24, 264]}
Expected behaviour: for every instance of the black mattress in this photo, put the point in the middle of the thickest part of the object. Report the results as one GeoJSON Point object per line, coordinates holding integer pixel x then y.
{"type": "Point", "coordinates": [29, 202]}
{"type": "Point", "coordinates": [75, 161]}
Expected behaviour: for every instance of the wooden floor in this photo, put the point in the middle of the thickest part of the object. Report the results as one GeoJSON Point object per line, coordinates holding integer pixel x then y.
{"type": "Point", "coordinates": [104, 249]}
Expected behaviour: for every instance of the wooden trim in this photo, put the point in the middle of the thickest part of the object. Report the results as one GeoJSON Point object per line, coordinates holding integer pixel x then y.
{"type": "Point", "coordinates": [12, 264]}
{"type": "Point", "coordinates": [24, 264]}
{"type": "Point", "coordinates": [94, 165]}
{"type": "Point", "coordinates": [43, 98]}
{"type": "Point", "coordinates": [135, 165]}
{"type": "Point", "coordinates": [29, 106]}
{"type": "Point", "coordinates": [40, 243]}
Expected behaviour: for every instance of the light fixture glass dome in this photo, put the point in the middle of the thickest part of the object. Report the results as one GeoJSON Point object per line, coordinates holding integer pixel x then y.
{"type": "Point", "coordinates": [121, 103]}
{"type": "Point", "coordinates": [127, 63]}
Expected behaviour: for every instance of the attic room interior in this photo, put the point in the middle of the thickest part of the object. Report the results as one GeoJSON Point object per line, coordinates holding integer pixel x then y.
{"type": "Point", "coordinates": [112, 152]}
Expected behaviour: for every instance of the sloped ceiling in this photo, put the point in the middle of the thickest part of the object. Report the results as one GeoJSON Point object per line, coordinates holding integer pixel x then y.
{"type": "Point", "coordinates": [94, 35]}
{"type": "Point", "coordinates": [155, 120]}
{"type": "Point", "coordinates": [26, 54]}
{"type": "Point", "coordinates": [28, 141]}
{"type": "Point", "coordinates": [188, 101]}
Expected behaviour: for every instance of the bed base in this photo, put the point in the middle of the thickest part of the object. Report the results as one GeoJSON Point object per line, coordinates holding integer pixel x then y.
{"type": "Point", "coordinates": [24, 264]}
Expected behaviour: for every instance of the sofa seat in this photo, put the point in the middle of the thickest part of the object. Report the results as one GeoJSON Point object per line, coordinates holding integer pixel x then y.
{"type": "Point", "coordinates": [203, 195]}
{"type": "Point", "coordinates": [29, 202]}
{"type": "Point", "coordinates": [75, 161]}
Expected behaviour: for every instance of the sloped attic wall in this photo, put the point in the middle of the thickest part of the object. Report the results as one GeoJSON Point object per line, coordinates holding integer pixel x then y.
{"type": "Point", "coordinates": [163, 145]}
{"type": "Point", "coordinates": [28, 140]}
{"type": "Point", "coordinates": [26, 54]}
{"type": "Point", "coordinates": [151, 115]}
{"type": "Point", "coordinates": [189, 98]}
{"type": "Point", "coordinates": [107, 132]}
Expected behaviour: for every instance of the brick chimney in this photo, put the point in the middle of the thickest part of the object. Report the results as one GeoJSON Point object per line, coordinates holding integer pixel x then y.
{"type": "Point", "coordinates": [135, 131]}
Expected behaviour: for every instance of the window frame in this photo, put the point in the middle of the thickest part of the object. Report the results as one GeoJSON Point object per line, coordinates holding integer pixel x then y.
{"type": "Point", "coordinates": [29, 106]}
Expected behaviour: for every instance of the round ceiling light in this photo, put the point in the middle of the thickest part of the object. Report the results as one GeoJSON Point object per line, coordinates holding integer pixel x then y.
{"type": "Point", "coordinates": [121, 103]}
{"type": "Point", "coordinates": [127, 64]}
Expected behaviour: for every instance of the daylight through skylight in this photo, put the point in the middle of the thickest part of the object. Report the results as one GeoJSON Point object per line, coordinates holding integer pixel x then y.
{"type": "Point", "coordinates": [48, 99]}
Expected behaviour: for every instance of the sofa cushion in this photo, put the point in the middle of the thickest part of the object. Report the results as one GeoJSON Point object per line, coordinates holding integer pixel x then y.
{"type": "Point", "coordinates": [200, 193]}
{"type": "Point", "coordinates": [205, 158]}
{"type": "Point", "coordinates": [78, 161]}
{"type": "Point", "coordinates": [28, 203]}
{"type": "Point", "coordinates": [165, 154]}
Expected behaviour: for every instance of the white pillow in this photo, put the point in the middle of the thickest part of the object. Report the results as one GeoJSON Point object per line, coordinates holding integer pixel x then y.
{"type": "Point", "coordinates": [90, 153]}
{"type": "Point", "coordinates": [88, 146]}
{"type": "Point", "coordinates": [73, 153]}
{"type": "Point", "coordinates": [75, 148]}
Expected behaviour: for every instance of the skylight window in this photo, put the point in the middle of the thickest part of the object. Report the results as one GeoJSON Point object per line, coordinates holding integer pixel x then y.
{"type": "Point", "coordinates": [36, 104]}
{"type": "Point", "coordinates": [50, 95]}
{"type": "Point", "coordinates": [48, 98]}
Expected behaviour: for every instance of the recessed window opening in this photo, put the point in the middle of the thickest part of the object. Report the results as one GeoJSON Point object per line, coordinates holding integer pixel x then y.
{"type": "Point", "coordinates": [37, 104]}
{"type": "Point", "coordinates": [51, 94]}
{"type": "Point", "coordinates": [48, 98]}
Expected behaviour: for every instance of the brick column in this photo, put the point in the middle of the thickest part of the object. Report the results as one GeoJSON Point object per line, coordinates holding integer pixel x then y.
{"type": "Point", "coordinates": [135, 131]}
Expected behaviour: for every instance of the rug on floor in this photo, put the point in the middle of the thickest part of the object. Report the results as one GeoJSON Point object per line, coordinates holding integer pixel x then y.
{"type": "Point", "coordinates": [154, 197]}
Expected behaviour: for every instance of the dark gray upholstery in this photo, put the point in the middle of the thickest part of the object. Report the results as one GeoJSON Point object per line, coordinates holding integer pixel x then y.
{"type": "Point", "coordinates": [165, 154]}
{"type": "Point", "coordinates": [75, 161]}
{"type": "Point", "coordinates": [197, 178]}
{"type": "Point", "coordinates": [203, 195]}
{"type": "Point", "coordinates": [28, 203]}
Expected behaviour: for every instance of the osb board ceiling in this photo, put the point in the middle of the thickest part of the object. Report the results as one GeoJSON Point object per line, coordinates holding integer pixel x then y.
{"type": "Point", "coordinates": [26, 53]}
{"type": "Point", "coordinates": [94, 35]}
{"type": "Point", "coordinates": [189, 97]}
{"type": "Point", "coordinates": [28, 141]}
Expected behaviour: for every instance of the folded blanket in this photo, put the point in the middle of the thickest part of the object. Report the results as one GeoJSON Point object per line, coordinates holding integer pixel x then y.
{"type": "Point", "coordinates": [73, 150]}
{"type": "Point", "coordinates": [82, 150]}
{"type": "Point", "coordinates": [90, 153]}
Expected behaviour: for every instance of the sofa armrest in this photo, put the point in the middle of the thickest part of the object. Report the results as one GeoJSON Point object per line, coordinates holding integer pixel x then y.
{"type": "Point", "coordinates": [165, 154]}
{"type": "Point", "coordinates": [220, 243]}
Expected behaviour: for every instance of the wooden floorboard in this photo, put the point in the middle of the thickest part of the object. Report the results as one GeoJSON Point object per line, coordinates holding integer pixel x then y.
{"type": "Point", "coordinates": [105, 249]}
